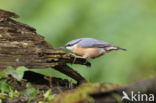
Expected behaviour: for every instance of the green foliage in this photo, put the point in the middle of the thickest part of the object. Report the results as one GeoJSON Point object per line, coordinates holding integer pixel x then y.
{"type": "Point", "coordinates": [30, 92]}
{"type": "Point", "coordinates": [48, 96]}
{"type": "Point", "coordinates": [13, 94]}
{"type": "Point", "coordinates": [3, 75]}
{"type": "Point", "coordinates": [7, 92]}
{"type": "Point", "coordinates": [4, 86]}
{"type": "Point", "coordinates": [17, 73]}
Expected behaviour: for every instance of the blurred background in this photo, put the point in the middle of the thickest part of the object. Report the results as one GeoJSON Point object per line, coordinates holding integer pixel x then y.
{"type": "Point", "coordinates": [130, 24]}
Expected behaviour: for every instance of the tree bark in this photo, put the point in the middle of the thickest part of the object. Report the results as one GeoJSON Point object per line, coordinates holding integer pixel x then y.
{"type": "Point", "coordinates": [20, 45]}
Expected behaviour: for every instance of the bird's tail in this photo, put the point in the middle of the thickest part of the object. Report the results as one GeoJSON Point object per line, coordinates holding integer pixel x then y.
{"type": "Point", "coordinates": [110, 48]}
{"type": "Point", "coordinates": [118, 48]}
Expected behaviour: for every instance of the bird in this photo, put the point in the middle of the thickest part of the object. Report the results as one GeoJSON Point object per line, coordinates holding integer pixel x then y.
{"type": "Point", "coordinates": [89, 47]}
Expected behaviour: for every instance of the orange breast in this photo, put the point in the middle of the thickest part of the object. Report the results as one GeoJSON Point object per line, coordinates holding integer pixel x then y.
{"type": "Point", "coordinates": [87, 52]}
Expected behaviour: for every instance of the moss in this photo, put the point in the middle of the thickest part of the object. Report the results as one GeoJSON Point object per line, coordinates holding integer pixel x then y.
{"type": "Point", "coordinates": [77, 95]}
{"type": "Point", "coordinates": [81, 94]}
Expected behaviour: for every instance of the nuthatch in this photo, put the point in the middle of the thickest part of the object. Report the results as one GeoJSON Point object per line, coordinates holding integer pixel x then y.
{"type": "Point", "coordinates": [89, 47]}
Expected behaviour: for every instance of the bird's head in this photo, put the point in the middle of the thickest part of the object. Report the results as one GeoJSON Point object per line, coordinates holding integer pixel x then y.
{"type": "Point", "coordinates": [67, 46]}
{"type": "Point", "coordinates": [70, 45]}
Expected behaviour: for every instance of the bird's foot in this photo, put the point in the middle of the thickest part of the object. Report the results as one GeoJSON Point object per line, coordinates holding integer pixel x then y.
{"type": "Point", "coordinates": [76, 56]}
{"type": "Point", "coordinates": [82, 57]}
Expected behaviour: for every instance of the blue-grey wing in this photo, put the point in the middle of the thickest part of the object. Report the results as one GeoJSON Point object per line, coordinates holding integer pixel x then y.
{"type": "Point", "coordinates": [73, 42]}
{"type": "Point", "coordinates": [92, 43]}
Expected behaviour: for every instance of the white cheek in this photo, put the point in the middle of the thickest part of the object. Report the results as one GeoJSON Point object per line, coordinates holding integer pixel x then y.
{"type": "Point", "coordinates": [70, 48]}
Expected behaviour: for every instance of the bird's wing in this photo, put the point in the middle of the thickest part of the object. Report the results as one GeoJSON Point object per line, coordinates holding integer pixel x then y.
{"type": "Point", "coordinates": [73, 42]}
{"type": "Point", "coordinates": [92, 43]}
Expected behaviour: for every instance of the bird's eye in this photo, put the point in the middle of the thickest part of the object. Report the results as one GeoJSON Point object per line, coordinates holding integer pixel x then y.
{"type": "Point", "coordinates": [68, 45]}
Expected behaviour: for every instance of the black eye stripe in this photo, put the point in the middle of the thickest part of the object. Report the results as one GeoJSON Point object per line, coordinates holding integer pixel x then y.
{"type": "Point", "coordinates": [68, 45]}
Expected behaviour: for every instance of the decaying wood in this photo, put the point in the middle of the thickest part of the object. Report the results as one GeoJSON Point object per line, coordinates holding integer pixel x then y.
{"type": "Point", "coordinates": [41, 82]}
{"type": "Point", "coordinates": [99, 92]}
{"type": "Point", "coordinates": [39, 79]}
{"type": "Point", "coordinates": [109, 93]}
{"type": "Point", "coordinates": [20, 45]}
{"type": "Point", "coordinates": [140, 87]}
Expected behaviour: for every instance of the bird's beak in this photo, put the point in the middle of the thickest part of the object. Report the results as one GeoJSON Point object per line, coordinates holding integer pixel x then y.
{"type": "Point", "coordinates": [63, 47]}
